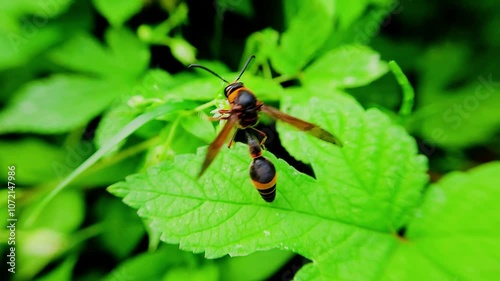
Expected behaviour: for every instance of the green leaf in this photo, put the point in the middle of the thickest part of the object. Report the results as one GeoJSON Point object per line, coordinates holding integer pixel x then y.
{"type": "Point", "coordinates": [454, 235]}
{"type": "Point", "coordinates": [262, 44]}
{"type": "Point", "coordinates": [204, 215]}
{"type": "Point", "coordinates": [296, 50]}
{"type": "Point", "coordinates": [57, 104]}
{"type": "Point", "coordinates": [345, 67]}
{"type": "Point", "coordinates": [363, 193]}
{"type": "Point", "coordinates": [64, 215]}
{"type": "Point", "coordinates": [367, 160]}
{"type": "Point", "coordinates": [35, 160]}
{"type": "Point", "coordinates": [118, 12]}
{"type": "Point", "coordinates": [349, 11]}
{"type": "Point", "coordinates": [126, 58]}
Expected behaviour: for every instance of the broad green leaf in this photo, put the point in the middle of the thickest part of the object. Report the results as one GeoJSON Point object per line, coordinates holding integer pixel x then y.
{"type": "Point", "coordinates": [454, 235]}
{"type": "Point", "coordinates": [345, 67]}
{"type": "Point", "coordinates": [378, 157]}
{"type": "Point", "coordinates": [125, 58]}
{"type": "Point", "coordinates": [64, 215]}
{"type": "Point", "coordinates": [363, 193]}
{"type": "Point", "coordinates": [306, 217]}
{"type": "Point", "coordinates": [118, 12]}
{"type": "Point", "coordinates": [307, 31]}
{"type": "Point", "coordinates": [349, 11]}
{"type": "Point", "coordinates": [57, 104]}
{"type": "Point", "coordinates": [34, 159]}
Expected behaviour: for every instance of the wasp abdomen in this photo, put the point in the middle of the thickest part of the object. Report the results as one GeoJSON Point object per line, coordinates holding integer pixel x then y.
{"type": "Point", "coordinates": [263, 176]}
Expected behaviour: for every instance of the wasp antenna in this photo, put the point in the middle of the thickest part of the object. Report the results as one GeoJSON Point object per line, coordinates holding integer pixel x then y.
{"type": "Point", "coordinates": [245, 67]}
{"type": "Point", "coordinates": [209, 70]}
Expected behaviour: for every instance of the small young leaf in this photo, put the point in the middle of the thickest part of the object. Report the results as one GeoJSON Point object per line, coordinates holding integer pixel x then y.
{"type": "Point", "coordinates": [344, 67]}
{"type": "Point", "coordinates": [262, 44]}
{"type": "Point", "coordinates": [58, 104]}
{"type": "Point", "coordinates": [118, 12]}
{"type": "Point", "coordinates": [305, 34]}
{"type": "Point", "coordinates": [182, 50]}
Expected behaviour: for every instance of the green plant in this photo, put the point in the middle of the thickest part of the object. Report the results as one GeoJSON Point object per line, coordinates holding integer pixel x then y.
{"type": "Point", "coordinates": [89, 111]}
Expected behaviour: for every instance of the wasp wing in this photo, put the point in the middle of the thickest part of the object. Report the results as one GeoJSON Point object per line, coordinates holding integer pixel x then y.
{"type": "Point", "coordinates": [301, 125]}
{"type": "Point", "coordinates": [215, 146]}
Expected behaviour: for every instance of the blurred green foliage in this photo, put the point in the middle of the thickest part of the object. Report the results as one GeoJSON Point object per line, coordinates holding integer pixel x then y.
{"type": "Point", "coordinates": [94, 91]}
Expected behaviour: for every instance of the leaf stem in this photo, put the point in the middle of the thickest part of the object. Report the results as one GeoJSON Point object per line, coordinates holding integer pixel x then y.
{"type": "Point", "coordinates": [266, 69]}
{"type": "Point", "coordinates": [408, 92]}
{"type": "Point", "coordinates": [284, 78]}
{"type": "Point", "coordinates": [204, 106]}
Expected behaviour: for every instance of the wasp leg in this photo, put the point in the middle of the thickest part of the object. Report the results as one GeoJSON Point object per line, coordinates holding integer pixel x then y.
{"type": "Point", "coordinates": [232, 139]}
{"type": "Point", "coordinates": [264, 137]}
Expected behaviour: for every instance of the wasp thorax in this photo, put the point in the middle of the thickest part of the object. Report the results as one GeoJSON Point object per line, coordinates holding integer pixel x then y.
{"type": "Point", "coordinates": [231, 88]}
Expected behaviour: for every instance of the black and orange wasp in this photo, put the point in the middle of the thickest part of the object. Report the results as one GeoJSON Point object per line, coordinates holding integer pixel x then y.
{"type": "Point", "coordinates": [244, 114]}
